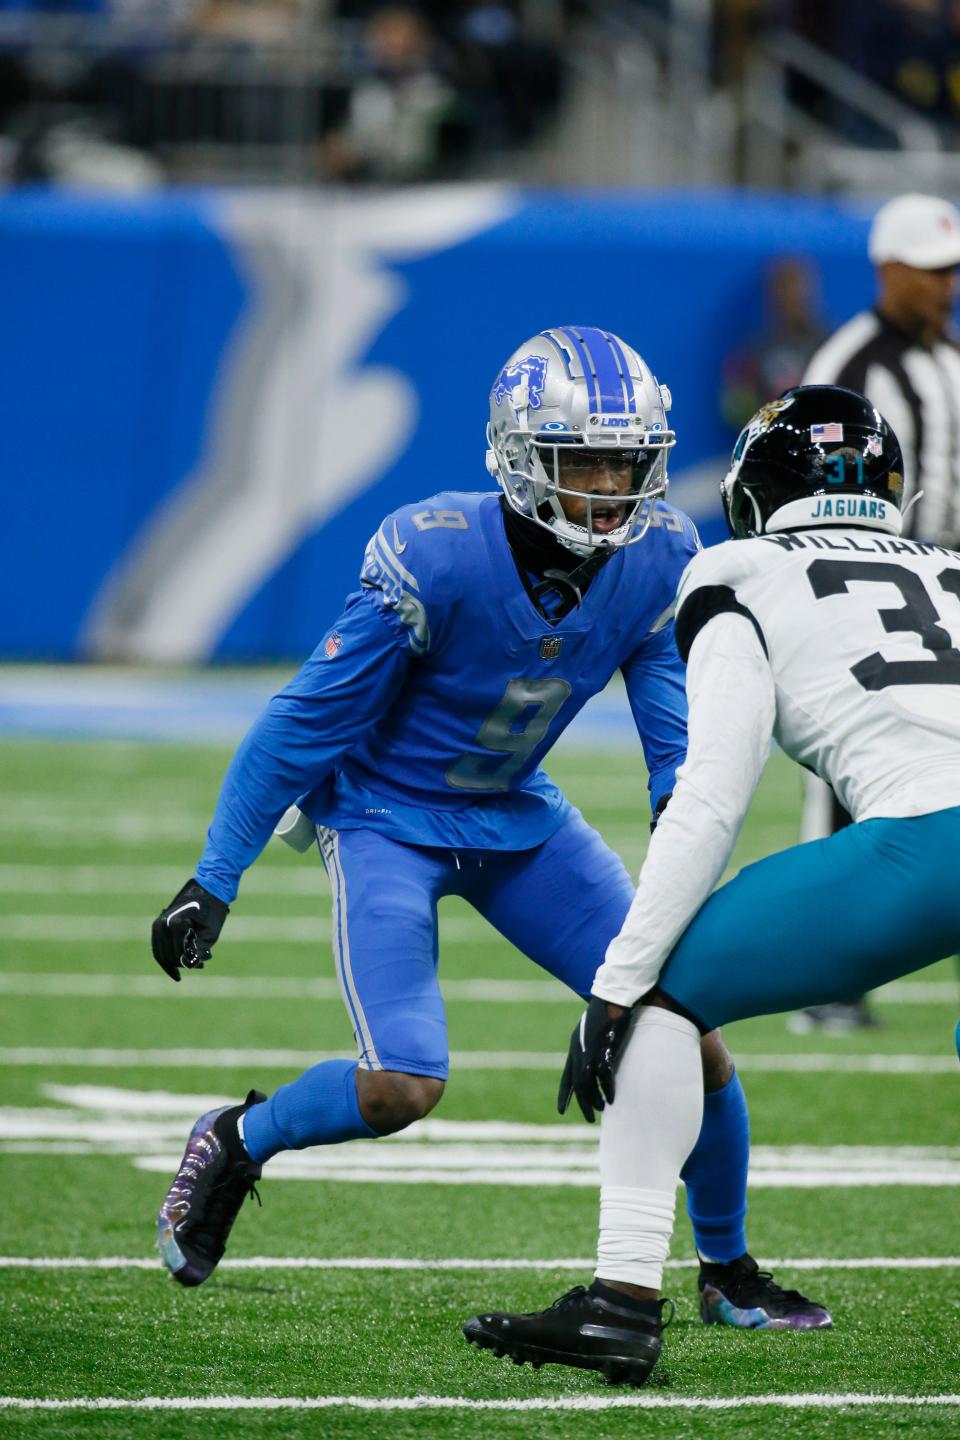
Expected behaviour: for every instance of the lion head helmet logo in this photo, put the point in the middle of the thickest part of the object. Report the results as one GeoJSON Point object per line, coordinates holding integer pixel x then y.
{"type": "Point", "coordinates": [528, 374]}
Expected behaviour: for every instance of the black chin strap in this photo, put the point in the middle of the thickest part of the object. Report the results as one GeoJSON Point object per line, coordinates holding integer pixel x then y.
{"type": "Point", "coordinates": [575, 581]}
{"type": "Point", "coordinates": [548, 568]}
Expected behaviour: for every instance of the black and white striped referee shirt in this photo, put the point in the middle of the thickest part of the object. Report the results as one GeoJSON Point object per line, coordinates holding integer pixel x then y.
{"type": "Point", "coordinates": [917, 389]}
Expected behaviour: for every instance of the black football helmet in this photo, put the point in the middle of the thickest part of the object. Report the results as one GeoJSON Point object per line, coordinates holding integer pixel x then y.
{"type": "Point", "coordinates": [818, 455]}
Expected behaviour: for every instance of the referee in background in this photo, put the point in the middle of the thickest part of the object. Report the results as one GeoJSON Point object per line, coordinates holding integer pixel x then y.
{"type": "Point", "coordinates": [904, 356]}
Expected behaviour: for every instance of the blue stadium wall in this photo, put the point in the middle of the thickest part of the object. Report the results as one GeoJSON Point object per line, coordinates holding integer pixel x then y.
{"type": "Point", "coordinates": [211, 400]}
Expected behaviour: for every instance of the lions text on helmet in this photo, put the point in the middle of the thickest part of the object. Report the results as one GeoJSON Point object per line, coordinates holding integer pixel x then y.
{"type": "Point", "coordinates": [578, 437]}
{"type": "Point", "coordinates": [819, 455]}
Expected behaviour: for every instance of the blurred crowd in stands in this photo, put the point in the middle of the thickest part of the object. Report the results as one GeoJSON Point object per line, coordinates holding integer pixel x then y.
{"type": "Point", "coordinates": [908, 48]}
{"type": "Point", "coordinates": [356, 90]}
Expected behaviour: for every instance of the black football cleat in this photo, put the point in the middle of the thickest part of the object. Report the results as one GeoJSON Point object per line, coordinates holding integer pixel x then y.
{"type": "Point", "coordinates": [215, 1177]}
{"type": "Point", "coordinates": [741, 1294]}
{"type": "Point", "coordinates": [580, 1329]}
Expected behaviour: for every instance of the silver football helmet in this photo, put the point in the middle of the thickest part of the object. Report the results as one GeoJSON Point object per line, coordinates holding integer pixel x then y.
{"type": "Point", "coordinates": [565, 402]}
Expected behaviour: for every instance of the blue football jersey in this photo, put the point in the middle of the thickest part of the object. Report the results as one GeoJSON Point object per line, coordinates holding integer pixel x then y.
{"type": "Point", "coordinates": [427, 709]}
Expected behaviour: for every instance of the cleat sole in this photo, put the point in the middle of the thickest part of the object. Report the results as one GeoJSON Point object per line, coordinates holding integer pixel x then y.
{"type": "Point", "coordinates": [189, 1276]}
{"type": "Point", "coordinates": [616, 1369]}
{"type": "Point", "coordinates": [723, 1312]}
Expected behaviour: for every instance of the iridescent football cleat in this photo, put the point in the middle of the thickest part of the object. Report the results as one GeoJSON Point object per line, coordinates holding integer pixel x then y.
{"type": "Point", "coordinates": [215, 1177]}
{"type": "Point", "coordinates": [580, 1329]}
{"type": "Point", "coordinates": [741, 1294]}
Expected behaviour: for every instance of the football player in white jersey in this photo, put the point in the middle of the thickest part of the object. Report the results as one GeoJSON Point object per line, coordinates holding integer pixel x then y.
{"type": "Point", "coordinates": [817, 625]}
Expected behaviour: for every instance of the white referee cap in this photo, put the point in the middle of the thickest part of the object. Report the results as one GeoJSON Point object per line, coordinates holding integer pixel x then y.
{"type": "Point", "coordinates": [918, 230]}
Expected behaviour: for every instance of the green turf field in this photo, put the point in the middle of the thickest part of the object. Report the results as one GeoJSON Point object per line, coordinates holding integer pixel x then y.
{"type": "Point", "coordinates": [106, 1063]}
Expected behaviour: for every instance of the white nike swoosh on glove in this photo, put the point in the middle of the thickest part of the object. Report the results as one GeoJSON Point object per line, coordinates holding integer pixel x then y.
{"type": "Point", "coordinates": [190, 905]}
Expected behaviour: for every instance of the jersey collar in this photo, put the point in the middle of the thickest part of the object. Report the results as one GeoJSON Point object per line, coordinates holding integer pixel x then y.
{"type": "Point", "coordinates": [516, 602]}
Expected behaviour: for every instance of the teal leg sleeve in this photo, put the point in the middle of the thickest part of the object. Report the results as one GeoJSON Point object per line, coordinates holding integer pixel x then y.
{"type": "Point", "coordinates": [823, 922]}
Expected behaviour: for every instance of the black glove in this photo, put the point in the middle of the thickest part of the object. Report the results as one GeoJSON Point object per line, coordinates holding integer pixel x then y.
{"type": "Point", "coordinates": [594, 1047]}
{"type": "Point", "coordinates": [184, 932]}
{"type": "Point", "coordinates": [662, 804]}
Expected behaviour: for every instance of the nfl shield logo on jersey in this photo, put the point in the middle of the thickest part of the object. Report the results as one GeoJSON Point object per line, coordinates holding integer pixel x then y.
{"type": "Point", "coordinates": [550, 647]}
{"type": "Point", "coordinates": [334, 643]}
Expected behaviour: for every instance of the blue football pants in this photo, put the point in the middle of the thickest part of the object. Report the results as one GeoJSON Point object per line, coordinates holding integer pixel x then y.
{"type": "Point", "coordinates": [560, 904]}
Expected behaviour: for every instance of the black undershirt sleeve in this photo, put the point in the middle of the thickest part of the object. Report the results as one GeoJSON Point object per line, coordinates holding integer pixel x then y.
{"type": "Point", "coordinates": [702, 605]}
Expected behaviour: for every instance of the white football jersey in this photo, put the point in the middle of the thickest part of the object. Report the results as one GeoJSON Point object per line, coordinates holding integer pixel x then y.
{"type": "Point", "coordinates": [862, 634]}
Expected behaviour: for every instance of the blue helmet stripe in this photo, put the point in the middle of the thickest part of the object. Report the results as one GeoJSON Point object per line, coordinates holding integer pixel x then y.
{"type": "Point", "coordinates": [608, 375]}
{"type": "Point", "coordinates": [586, 362]}
{"type": "Point", "coordinates": [621, 359]}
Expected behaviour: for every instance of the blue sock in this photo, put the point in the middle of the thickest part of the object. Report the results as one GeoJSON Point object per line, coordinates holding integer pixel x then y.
{"type": "Point", "coordinates": [716, 1174]}
{"type": "Point", "coordinates": [321, 1108]}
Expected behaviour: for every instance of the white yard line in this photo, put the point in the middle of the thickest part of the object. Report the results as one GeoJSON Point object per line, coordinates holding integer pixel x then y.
{"type": "Point", "coordinates": [26, 807]}
{"type": "Point", "coordinates": [153, 880]}
{"type": "Point", "coordinates": [403, 1263]}
{"type": "Point", "coordinates": [126, 827]}
{"type": "Point", "coordinates": [645, 1401]}
{"type": "Point", "coordinates": [83, 985]}
{"type": "Point", "coordinates": [849, 1064]}
{"type": "Point", "coordinates": [301, 929]}
{"type": "Point", "coordinates": [147, 1130]}
{"type": "Point", "coordinates": [918, 992]}
{"type": "Point", "coordinates": [515, 1168]}
{"type": "Point", "coordinates": [98, 1057]}
{"type": "Point", "coordinates": [272, 929]}
{"type": "Point", "coordinates": [131, 929]}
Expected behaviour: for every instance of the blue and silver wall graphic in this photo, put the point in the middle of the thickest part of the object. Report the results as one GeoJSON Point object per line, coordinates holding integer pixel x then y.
{"type": "Point", "coordinates": [211, 400]}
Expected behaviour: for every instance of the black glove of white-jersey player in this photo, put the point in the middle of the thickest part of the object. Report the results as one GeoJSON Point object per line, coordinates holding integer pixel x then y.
{"type": "Point", "coordinates": [185, 931]}
{"type": "Point", "coordinates": [595, 1046]}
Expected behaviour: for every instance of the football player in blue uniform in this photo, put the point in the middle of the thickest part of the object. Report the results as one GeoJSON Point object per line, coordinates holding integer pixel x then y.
{"type": "Point", "coordinates": [412, 739]}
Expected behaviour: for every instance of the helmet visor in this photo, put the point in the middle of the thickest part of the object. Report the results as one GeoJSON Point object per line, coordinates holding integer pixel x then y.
{"type": "Point", "coordinates": [601, 490]}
